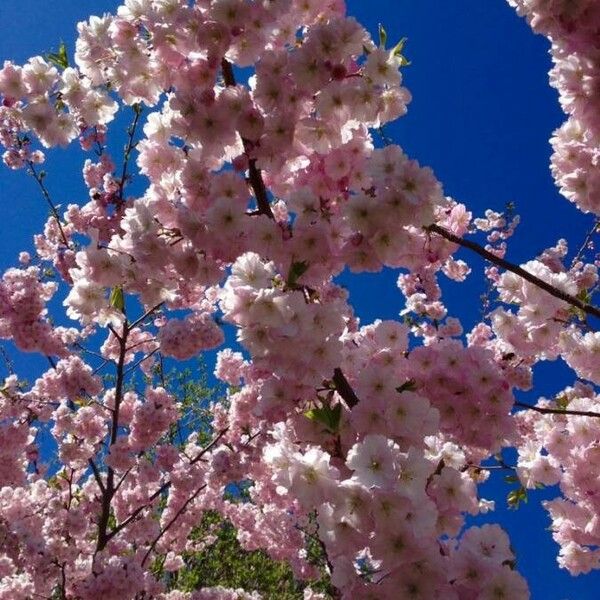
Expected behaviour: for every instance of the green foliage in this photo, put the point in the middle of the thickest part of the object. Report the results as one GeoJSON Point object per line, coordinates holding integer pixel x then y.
{"type": "Point", "coordinates": [117, 300]}
{"type": "Point", "coordinates": [330, 417]}
{"type": "Point", "coordinates": [195, 396]}
{"type": "Point", "coordinates": [515, 497]}
{"type": "Point", "coordinates": [225, 563]}
{"type": "Point", "coordinates": [562, 402]}
{"type": "Point", "coordinates": [297, 269]}
{"type": "Point", "coordinates": [59, 59]}
{"type": "Point", "coordinates": [397, 51]}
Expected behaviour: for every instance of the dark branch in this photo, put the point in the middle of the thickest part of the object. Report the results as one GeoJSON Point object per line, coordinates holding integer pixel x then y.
{"type": "Point", "coordinates": [344, 389]}
{"type": "Point", "coordinates": [97, 475]}
{"type": "Point", "coordinates": [489, 256]}
{"type": "Point", "coordinates": [170, 523]}
{"type": "Point", "coordinates": [109, 489]}
{"type": "Point", "coordinates": [558, 411]}
{"type": "Point", "coordinates": [254, 174]}
{"type": "Point", "coordinates": [128, 148]}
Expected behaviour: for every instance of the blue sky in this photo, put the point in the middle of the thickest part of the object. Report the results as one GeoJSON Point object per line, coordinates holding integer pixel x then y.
{"type": "Point", "coordinates": [481, 116]}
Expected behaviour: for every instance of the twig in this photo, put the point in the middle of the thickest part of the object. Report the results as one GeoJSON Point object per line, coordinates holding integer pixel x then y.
{"type": "Point", "coordinates": [48, 199]}
{"type": "Point", "coordinates": [144, 316]}
{"type": "Point", "coordinates": [163, 488]}
{"type": "Point", "coordinates": [595, 229]}
{"type": "Point", "coordinates": [97, 476]}
{"type": "Point", "coordinates": [140, 361]}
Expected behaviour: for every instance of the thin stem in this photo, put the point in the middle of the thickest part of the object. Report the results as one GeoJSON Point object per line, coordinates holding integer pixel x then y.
{"type": "Point", "coordinates": [46, 194]}
{"type": "Point", "coordinates": [489, 256]}
{"type": "Point", "coordinates": [163, 488]}
{"type": "Point", "coordinates": [588, 238]}
{"type": "Point", "coordinates": [145, 316]}
{"type": "Point", "coordinates": [171, 522]}
{"type": "Point", "coordinates": [128, 148]}
{"type": "Point", "coordinates": [140, 361]}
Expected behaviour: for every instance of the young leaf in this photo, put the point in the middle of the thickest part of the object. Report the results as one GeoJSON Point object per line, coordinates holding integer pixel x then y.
{"type": "Point", "coordinates": [117, 300]}
{"type": "Point", "coordinates": [60, 58]}
{"type": "Point", "coordinates": [515, 497]}
{"type": "Point", "coordinates": [382, 36]}
{"type": "Point", "coordinates": [397, 50]}
{"type": "Point", "coordinates": [296, 271]}
{"type": "Point", "coordinates": [399, 47]}
{"type": "Point", "coordinates": [330, 417]}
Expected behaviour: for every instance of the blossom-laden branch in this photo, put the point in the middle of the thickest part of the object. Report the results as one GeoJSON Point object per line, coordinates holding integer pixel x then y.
{"type": "Point", "coordinates": [254, 174]}
{"type": "Point", "coordinates": [171, 522]}
{"type": "Point", "coordinates": [163, 488]}
{"type": "Point", "coordinates": [589, 309]}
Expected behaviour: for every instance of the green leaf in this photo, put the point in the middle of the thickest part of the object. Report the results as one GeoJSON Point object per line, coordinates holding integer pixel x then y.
{"type": "Point", "coordinates": [397, 50]}
{"type": "Point", "coordinates": [515, 498]}
{"type": "Point", "coordinates": [399, 47]}
{"type": "Point", "coordinates": [562, 402]}
{"type": "Point", "coordinates": [330, 417]}
{"type": "Point", "coordinates": [584, 296]}
{"type": "Point", "coordinates": [60, 58]}
{"type": "Point", "coordinates": [117, 300]}
{"type": "Point", "coordinates": [382, 36]}
{"type": "Point", "coordinates": [296, 271]}
{"type": "Point", "coordinates": [410, 385]}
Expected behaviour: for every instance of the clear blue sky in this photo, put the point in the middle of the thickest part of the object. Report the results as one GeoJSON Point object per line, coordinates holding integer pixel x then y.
{"type": "Point", "coordinates": [481, 116]}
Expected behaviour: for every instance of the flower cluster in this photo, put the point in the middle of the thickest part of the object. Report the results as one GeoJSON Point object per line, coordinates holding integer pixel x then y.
{"type": "Point", "coordinates": [573, 27]}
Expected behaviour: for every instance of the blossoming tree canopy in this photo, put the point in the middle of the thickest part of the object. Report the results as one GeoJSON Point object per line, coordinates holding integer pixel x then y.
{"type": "Point", "coordinates": [254, 125]}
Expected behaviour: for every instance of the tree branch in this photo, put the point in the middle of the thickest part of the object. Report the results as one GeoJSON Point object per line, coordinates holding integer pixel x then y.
{"type": "Point", "coordinates": [163, 488]}
{"type": "Point", "coordinates": [97, 475]}
{"type": "Point", "coordinates": [128, 148]}
{"type": "Point", "coordinates": [558, 411]}
{"type": "Point", "coordinates": [168, 525]}
{"type": "Point", "coordinates": [109, 489]}
{"type": "Point", "coordinates": [254, 174]}
{"type": "Point", "coordinates": [589, 309]}
{"type": "Point", "coordinates": [344, 389]}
